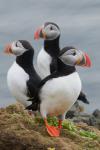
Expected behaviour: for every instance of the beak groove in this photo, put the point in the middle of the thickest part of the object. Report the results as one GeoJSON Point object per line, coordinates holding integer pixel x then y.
{"type": "Point", "coordinates": [39, 34]}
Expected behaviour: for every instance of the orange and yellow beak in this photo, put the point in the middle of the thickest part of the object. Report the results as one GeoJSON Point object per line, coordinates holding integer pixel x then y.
{"type": "Point", "coordinates": [39, 34]}
{"type": "Point", "coordinates": [8, 49]}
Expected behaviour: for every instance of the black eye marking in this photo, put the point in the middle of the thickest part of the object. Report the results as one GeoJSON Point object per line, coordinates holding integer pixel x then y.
{"type": "Point", "coordinates": [16, 44]}
{"type": "Point", "coordinates": [74, 53]}
{"type": "Point", "coordinates": [51, 28]}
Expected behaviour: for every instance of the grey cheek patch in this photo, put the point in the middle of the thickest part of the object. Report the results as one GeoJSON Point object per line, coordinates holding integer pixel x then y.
{"type": "Point", "coordinates": [69, 59]}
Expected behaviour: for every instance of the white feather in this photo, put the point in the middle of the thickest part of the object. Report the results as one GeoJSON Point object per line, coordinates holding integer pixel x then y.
{"type": "Point", "coordinates": [59, 94]}
{"type": "Point", "coordinates": [16, 79]}
{"type": "Point", "coordinates": [43, 63]}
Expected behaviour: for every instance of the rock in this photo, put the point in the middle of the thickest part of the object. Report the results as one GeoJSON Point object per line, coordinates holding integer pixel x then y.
{"type": "Point", "coordinates": [70, 114]}
{"type": "Point", "coordinates": [96, 113]}
{"type": "Point", "coordinates": [77, 115]}
{"type": "Point", "coordinates": [93, 121]}
{"type": "Point", "coordinates": [76, 109]}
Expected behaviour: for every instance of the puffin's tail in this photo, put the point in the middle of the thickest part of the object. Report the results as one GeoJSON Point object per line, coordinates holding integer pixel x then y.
{"type": "Point", "coordinates": [35, 104]}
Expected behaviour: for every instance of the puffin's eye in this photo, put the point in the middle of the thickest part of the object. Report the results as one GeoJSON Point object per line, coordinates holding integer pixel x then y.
{"type": "Point", "coordinates": [71, 52]}
{"type": "Point", "coordinates": [51, 28]}
{"type": "Point", "coordinates": [74, 53]}
{"type": "Point", "coordinates": [16, 44]}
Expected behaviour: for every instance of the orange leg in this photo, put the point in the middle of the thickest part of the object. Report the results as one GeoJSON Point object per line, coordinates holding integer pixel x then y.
{"type": "Point", "coordinates": [60, 124]}
{"type": "Point", "coordinates": [30, 113]}
{"type": "Point", "coordinates": [52, 130]}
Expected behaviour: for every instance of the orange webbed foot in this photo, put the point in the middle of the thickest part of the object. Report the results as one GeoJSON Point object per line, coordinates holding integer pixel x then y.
{"type": "Point", "coordinates": [52, 130]}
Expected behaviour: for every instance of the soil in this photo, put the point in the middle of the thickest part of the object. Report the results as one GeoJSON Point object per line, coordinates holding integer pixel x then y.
{"type": "Point", "coordinates": [20, 131]}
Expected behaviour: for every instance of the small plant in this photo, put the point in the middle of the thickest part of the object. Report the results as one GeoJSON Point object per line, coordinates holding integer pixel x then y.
{"type": "Point", "coordinates": [69, 125]}
{"type": "Point", "coordinates": [88, 134]}
{"type": "Point", "coordinates": [39, 120]}
{"type": "Point", "coordinates": [53, 121]}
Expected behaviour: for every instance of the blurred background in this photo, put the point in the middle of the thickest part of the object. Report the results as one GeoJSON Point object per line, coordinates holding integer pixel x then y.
{"type": "Point", "coordinates": [79, 22]}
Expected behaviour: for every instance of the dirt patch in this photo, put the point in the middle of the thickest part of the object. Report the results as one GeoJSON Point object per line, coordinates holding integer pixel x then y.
{"type": "Point", "coordinates": [19, 131]}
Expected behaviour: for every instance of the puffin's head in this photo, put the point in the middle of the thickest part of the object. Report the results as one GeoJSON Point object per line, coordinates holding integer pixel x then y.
{"type": "Point", "coordinates": [49, 31]}
{"type": "Point", "coordinates": [19, 48]}
{"type": "Point", "coordinates": [75, 57]}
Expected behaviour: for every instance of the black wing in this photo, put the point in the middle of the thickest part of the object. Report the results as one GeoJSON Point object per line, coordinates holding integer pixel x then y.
{"type": "Point", "coordinates": [35, 91]}
{"type": "Point", "coordinates": [53, 65]}
{"type": "Point", "coordinates": [32, 88]}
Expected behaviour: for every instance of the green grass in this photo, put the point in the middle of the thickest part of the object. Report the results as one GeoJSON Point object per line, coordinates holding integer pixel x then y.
{"type": "Point", "coordinates": [70, 126]}
{"type": "Point", "coordinates": [67, 124]}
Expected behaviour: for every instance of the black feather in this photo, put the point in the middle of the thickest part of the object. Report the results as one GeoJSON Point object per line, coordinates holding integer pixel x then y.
{"type": "Point", "coordinates": [82, 97]}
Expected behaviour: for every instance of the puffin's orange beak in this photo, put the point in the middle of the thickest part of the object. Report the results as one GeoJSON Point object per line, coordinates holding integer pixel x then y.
{"type": "Point", "coordinates": [8, 49]}
{"type": "Point", "coordinates": [39, 34]}
{"type": "Point", "coordinates": [88, 61]}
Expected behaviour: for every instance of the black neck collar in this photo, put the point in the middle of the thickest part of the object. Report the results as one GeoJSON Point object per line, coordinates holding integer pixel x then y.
{"type": "Point", "coordinates": [52, 47]}
{"type": "Point", "coordinates": [25, 60]}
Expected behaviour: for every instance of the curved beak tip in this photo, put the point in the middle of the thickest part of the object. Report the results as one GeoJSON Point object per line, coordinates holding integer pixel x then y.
{"type": "Point", "coordinates": [37, 34]}
{"type": "Point", "coordinates": [8, 49]}
{"type": "Point", "coordinates": [85, 61]}
{"type": "Point", "coordinates": [88, 61]}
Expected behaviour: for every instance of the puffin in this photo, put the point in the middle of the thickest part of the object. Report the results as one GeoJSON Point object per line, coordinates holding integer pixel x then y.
{"type": "Point", "coordinates": [46, 60]}
{"type": "Point", "coordinates": [22, 79]}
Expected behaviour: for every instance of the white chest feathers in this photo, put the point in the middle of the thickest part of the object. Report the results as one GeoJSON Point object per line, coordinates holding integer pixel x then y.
{"type": "Point", "coordinates": [16, 79]}
{"type": "Point", "coordinates": [59, 94]}
{"type": "Point", "coordinates": [43, 63]}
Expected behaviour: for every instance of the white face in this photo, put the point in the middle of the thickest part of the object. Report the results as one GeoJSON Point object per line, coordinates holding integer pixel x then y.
{"type": "Point", "coordinates": [17, 48]}
{"type": "Point", "coordinates": [51, 31]}
{"type": "Point", "coordinates": [75, 57]}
